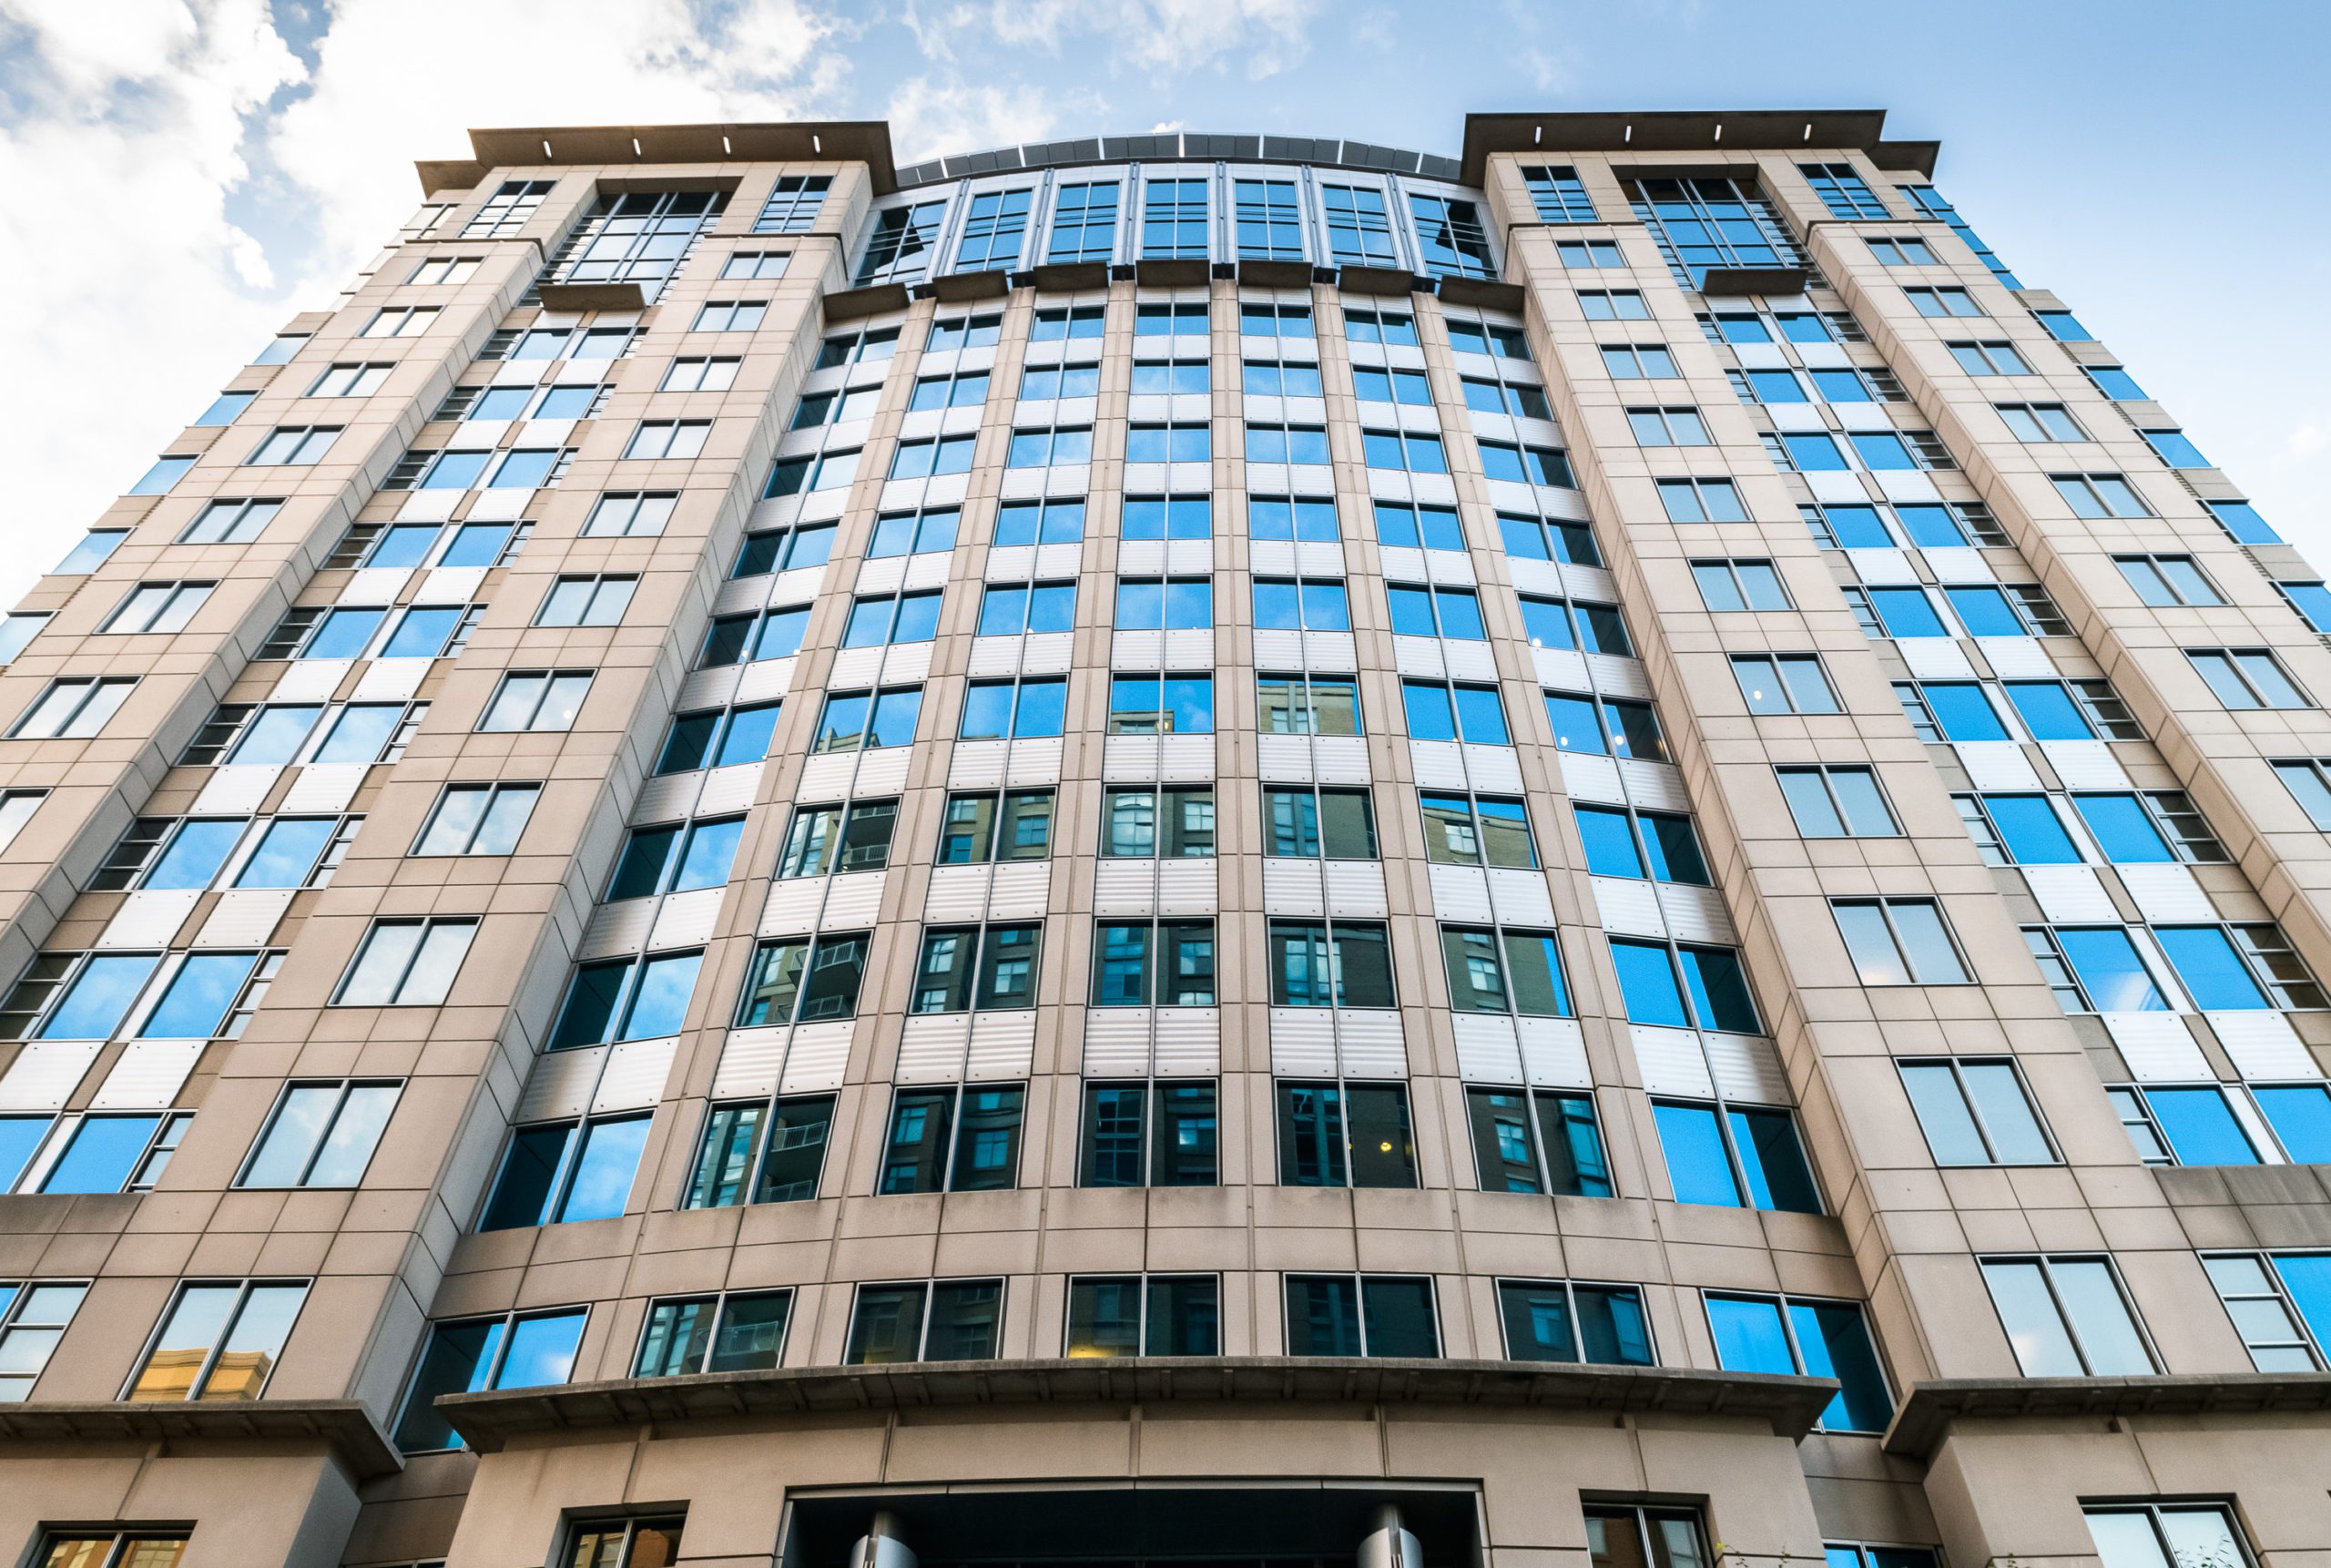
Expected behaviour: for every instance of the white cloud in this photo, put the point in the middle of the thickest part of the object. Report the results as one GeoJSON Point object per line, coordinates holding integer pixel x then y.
{"type": "Point", "coordinates": [1257, 38]}
{"type": "Point", "coordinates": [933, 118]}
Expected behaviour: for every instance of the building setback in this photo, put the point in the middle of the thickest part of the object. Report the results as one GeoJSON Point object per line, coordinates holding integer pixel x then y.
{"type": "Point", "coordinates": [1170, 848]}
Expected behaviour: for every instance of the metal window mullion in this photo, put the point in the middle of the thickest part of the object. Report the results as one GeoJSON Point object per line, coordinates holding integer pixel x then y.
{"type": "Point", "coordinates": [315, 1153]}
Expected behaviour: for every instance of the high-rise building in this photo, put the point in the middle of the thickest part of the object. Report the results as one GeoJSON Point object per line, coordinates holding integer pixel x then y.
{"type": "Point", "coordinates": [1171, 848]}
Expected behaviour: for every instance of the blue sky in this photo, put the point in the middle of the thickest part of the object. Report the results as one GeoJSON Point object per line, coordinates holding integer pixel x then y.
{"type": "Point", "coordinates": [186, 173]}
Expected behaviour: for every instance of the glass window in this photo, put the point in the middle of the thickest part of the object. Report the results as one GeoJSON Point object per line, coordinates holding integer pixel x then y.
{"type": "Point", "coordinates": [1345, 1134]}
{"type": "Point", "coordinates": [1898, 942]}
{"type": "Point", "coordinates": [1367, 1314]}
{"type": "Point", "coordinates": [321, 1134]}
{"type": "Point", "coordinates": [33, 1316]}
{"type": "Point", "coordinates": [516, 1351]}
{"type": "Point", "coordinates": [772, 1150]}
{"type": "Point", "coordinates": [1837, 802]}
{"type": "Point", "coordinates": [406, 963]}
{"type": "Point", "coordinates": [1161, 1133]}
{"type": "Point", "coordinates": [1565, 1320]}
{"type": "Point", "coordinates": [944, 1320]}
{"type": "Point", "coordinates": [2165, 1536]}
{"type": "Point", "coordinates": [218, 1342]}
{"type": "Point", "coordinates": [1537, 1140]}
{"type": "Point", "coordinates": [2066, 1318]}
{"type": "Point", "coordinates": [1975, 1112]}
{"type": "Point", "coordinates": [1808, 1338]}
{"type": "Point", "coordinates": [1153, 1315]}
{"type": "Point", "coordinates": [1313, 964]}
{"type": "Point", "coordinates": [561, 1172]}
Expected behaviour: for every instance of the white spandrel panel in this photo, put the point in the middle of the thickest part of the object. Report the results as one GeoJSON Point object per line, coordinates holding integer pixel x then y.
{"type": "Point", "coordinates": [1003, 1045]}
{"type": "Point", "coordinates": [686, 919]}
{"type": "Point", "coordinates": [1020, 890]}
{"type": "Point", "coordinates": [562, 1084]}
{"type": "Point", "coordinates": [1117, 1041]}
{"type": "Point", "coordinates": [713, 688]}
{"type": "Point", "coordinates": [1284, 758]}
{"type": "Point", "coordinates": [1370, 1042]}
{"type": "Point", "coordinates": [1561, 668]}
{"type": "Point", "coordinates": [883, 771]}
{"type": "Point", "coordinates": [1521, 897]}
{"type": "Point", "coordinates": [1459, 892]}
{"type": "Point", "coordinates": [1413, 656]}
{"type": "Point", "coordinates": [907, 663]}
{"type": "Point", "coordinates": [1127, 759]}
{"type": "Point", "coordinates": [1997, 765]}
{"type": "Point", "coordinates": [765, 679]}
{"type": "Point", "coordinates": [1628, 906]}
{"type": "Point", "coordinates": [1186, 759]}
{"type": "Point", "coordinates": [977, 764]}
{"type": "Point", "coordinates": [1554, 1053]}
{"type": "Point", "coordinates": [855, 666]}
{"type": "Point", "coordinates": [310, 679]}
{"type": "Point", "coordinates": [1488, 1051]}
{"type": "Point", "coordinates": [955, 893]}
{"type": "Point", "coordinates": [741, 595]}
{"type": "Point", "coordinates": [817, 1057]}
{"type": "Point", "coordinates": [323, 788]}
{"type": "Point", "coordinates": [1452, 567]}
{"type": "Point", "coordinates": [1293, 886]}
{"type": "Point", "coordinates": [236, 790]}
{"type": "Point", "coordinates": [1189, 1042]}
{"type": "Point", "coordinates": [617, 928]}
{"type": "Point", "coordinates": [635, 1074]}
{"type": "Point", "coordinates": [2070, 894]}
{"type": "Point", "coordinates": [1934, 658]}
{"type": "Point", "coordinates": [1059, 560]}
{"type": "Point", "coordinates": [1341, 758]}
{"type": "Point", "coordinates": [1657, 786]}
{"type": "Point", "coordinates": [2158, 1047]}
{"type": "Point", "coordinates": [2083, 764]}
{"type": "Point", "coordinates": [244, 917]}
{"type": "Point", "coordinates": [1494, 768]}
{"type": "Point", "coordinates": [1670, 1061]}
{"type": "Point", "coordinates": [1355, 887]}
{"type": "Point", "coordinates": [730, 788]}
{"type": "Point", "coordinates": [1881, 566]}
{"type": "Point", "coordinates": [1906, 485]}
{"type": "Point", "coordinates": [374, 585]}
{"type": "Point", "coordinates": [1303, 1042]}
{"type": "Point", "coordinates": [1959, 564]}
{"type": "Point", "coordinates": [750, 1060]}
{"type": "Point", "coordinates": [46, 1073]}
{"type": "Point", "coordinates": [1437, 764]}
{"type": "Point", "coordinates": [437, 505]}
{"type": "Point", "coordinates": [669, 797]}
{"type": "Point", "coordinates": [932, 1047]}
{"type": "Point", "coordinates": [1277, 648]}
{"type": "Point", "coordinates": [792, 905]}
{"type": "Point", "coordinates": [2262, 1045]}
{"type": "Point", "coordinates": [1330, 653]}
{"type": "Point", "coordinates": [1466, 659]}
{"type": "Point", "coordinates": [1695, 914]}
{"type": "Point", "coordinates": [1747, 1067]}
{"type": "Point", "coordinates": [854, 900]}
{"type": "Point", "coordinates": [149, 919]}
{"type": "Point", "coordinates": [1588, 777]}
{"type": "Point", "coordinates": [451, 585]}
{"type": "Point", "coordinates": [1124, 887]}
{"type": "Point", "coordinates": [1032, 762]}
{"type": "Point", "coordinates": [1188, 886]}
{"type": "Point", "coordinates": [147, 1075]}
{"type": "Point", "coordinates": [1616, 675]}
{"type": "Point", "coordinates": [2016, 659]}
{"type": "Point", "coordinates": [2166, 892]}
{"type": "Point", "coordinates": [1589, 583]}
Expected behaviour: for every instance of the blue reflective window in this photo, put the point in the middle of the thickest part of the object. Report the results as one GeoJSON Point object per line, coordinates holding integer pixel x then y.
{"type": "Point", "coordinates": [2033, 833]}
{"type": "Point", "coordinates": [2200, 1127]}
{"type": "Point", "coordinates": [1697, 1166]}
{"type": "Point", "coordinates": [361, 734]}
{"type": "Point", "coordinates": [19, 1136]}
{"type": "Point", "coordinates": [1833, 1340]}
{"type": "Point", "coordinates": [1814, 453]}
{"type": "Point", "coordinates": [1856, 527]}
{"type": "Point", "coordinates": [1907, 613]}
{"type": "Point", "coordinates": [541, 1350]}
{"type": "Point", "coordinates": [474, 545]}
{"type": "Point", "coordinates": [1719, 989]}
{"type": "Point", "coordinates": [2122, 828]}
{"type": "Point", "coordinates": [1430, 716]}
{"type": "Point", "coordinates": [1647, 984]}
{"type": "Point", "coordinates": [454, 471]}
{"type": "Point", "coordinates": [1985, 612]}
{"type": "Point", "coordinates": [100, 995]}
{"type": "Point", "coordinates": [276, 735]}
{"type": "Point", "coordinates": [2307, 1277]}
{"type": "Point", "coordinates": [2109, 971]}
{"type": "Point", "coordinates": [1882, 451]}
{"type": "Point", "coordinates": [605, 1169]}
{"type": "Point", "coordinates": [195, 1005]}
{"type": "Point", "coordinates": [1610, 843]}
{"type": "Point", "coordinates": [2174, 449]}
{"type": "Point", "coordinates": [2241, 520]}
{"type": "Point", "coordinates": [343, 634]}
{"type": "Point", "coordinates": [2116, 383]}
{"type": "Point", "coordinates": [197, 851]}
{"type": "Point", "coordinates": [1777, 386]}
{"type": "Point", "coordinates": [1931, 527]}
{"type": "Point", "coordinates": [422, 632]}
{"type": "Point", "coordinates": [2064, 327]}
{"type": "Point", "coordinates": [1772, 1161]}
{"type": "Point", "coordinates": [103, 1155]}
{"type": "Point", "coordinates": [2312, 601]}
{"type": "Point", "coordinates": [2212, 972]}
{"type": "Point", "coordinates": [2300, 1114]}
{"type": "Point", "coordinates": [1963, 710]}
{"type": "Point", "coordinates": [2048, 711]}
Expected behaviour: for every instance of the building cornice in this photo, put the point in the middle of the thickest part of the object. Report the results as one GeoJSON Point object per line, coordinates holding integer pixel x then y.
{"type": "Point", "coordinates": [1711, 132]}
{"type": "Point", "coordinates": [1933, 1409]}
{"type": "Point", "coordinates": [487, 1421]}
{"type": "Point", "coordinates": [343, 1425]}
{"type": "Point", "coordinates": [809, 141]}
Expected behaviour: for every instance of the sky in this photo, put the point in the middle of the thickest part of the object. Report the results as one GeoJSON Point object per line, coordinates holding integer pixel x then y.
{"type": "Point", "coordinates": [184, 176]}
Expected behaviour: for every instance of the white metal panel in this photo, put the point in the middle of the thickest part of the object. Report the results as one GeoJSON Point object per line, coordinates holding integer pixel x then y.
{"type": "Point", "coordinates": [1467, 660]}
{"type": "Point", "coordinates": [1413, 656]}
{"type": "Point", "coordinates": [956, 893]}
{"type": "Point", "coordinates": [562, 1084]}
{"type": "Point", "coordinates": [1959, 564]}
{"type": "Point", "coordinates": [686, 919]}
{"type": "Point", "coordinates": [1997, 765]}
{"type": "Point", "coordinates": [1303, 1042]}
{"type": "Point", "coordinates": [1020, 890]}
{"type": "Point", "coordinates": [1883, 566]}
{"type": "Point", "coordinates": [1437, 764]}
{"type": "Point", "coordinates": [375, 585]}
{"type": "Point", "coordinates": [977, 764]}
{"type": "Point", "coordinates": [1341, 758]}
{"type": "Point", "coordinates": [1184, 759]}
{"type": "Point", "coordinates": [1615, 676]}
{"type": "Point", "coordinates": [390, 679]}
{"type": "Point", "coordinates": [1293, 886]}
{"type": "Point", "coordinates": [1488, 1051]}
{"type": "Point", "coordinates": [995, 656]}
{"type": "Point", "coordinates": [1002, 1047]}
{"type": "Point", "coordinates": [244, 917]}
{"type": "Point", "coordinates": [739, 596]}
{"type": "Point", "coordinates": [2264, 1046]}
{"type": "Point", "coordinates": [1934, 658]}
{"type": "Point", "coordinates": [1530, 576]}
{"type": "Point", "coordinates": [1459, 892]}
{"type": "Point", "coordinates": [1354, 887]}
{"type": "Point", "coordinates": [1138, 650]}
{"type": "Point", "coordinates": [635, 1074]}
{"type": "Point", "coordinates": [2158, 1047]}
{"type": "Point", "coordinates": [310, 679]}
{"type": "Point", "coordinates": [1129, 759]}
{"type": "Point", "coordinates": [669, 797]}
{"type": "Point", "coordinates": [1553, 1053]}
{"type": "Point", "coordinates": [1831, 486]}
{"type": "Point", "coordinates": [1671, 1061]}
{"type": "Point", "coordinates": [730, 788]}
{"type": "Point", "coordinates": [437, 505]}
{"type": "Point", "coordinates": [147, 1075]}
{"type": "Point", "coordinates": [1404, 564]}
{"type": "Point", "coordinates": [883, 771]}
{"type": "Point", "coordinates": [792, 906]}
{"type": "Point", "coordinates": [46, 1073]}
{"type": "Point", "coordinates": [816, 1058]}
{"type": "Point", "coordinates": [1329, 651]}
{"type": "Point", "coordinates": [149, 919]}
{"type": "Point", "coordinates": [1284, 758]}
{"type": "Point", "coordinates": [2085, 764]}
{"type": "Point", "coordinates": [1589, 777]}
{"type": "Point", "coordinates": [713, 688]}
{"type": "Point", "coordinates": [749, 1062]}
{"type": "Point", "coordinates": [1186, 886]}
{"type": "Point", "coordinates": [764, 680]}
{"type": "Point", "coordinates": [2070, 894]}
{"type": "Point", "coordinates": [1906, 484]}
{"type": "Point", "coordinates": [1493, 767]}
{"type": "Point", "coordinates": [932, 1047]}
{"type": "Point", "coordinates": [1117, 1041]}
{"type": "Point", "coordinates": [1747, 1067]}
{"type": "Point", "coordinates": [1032, 761]}
{"type": "Point", "coordinates": [236, 790]}
{"type": "Point", "coordinates": [617, 928]}
{"type": "Point", "coordinates": [853, 899]}
{"type": "Point", "coordinates": [907, 663]}
{"type": "Point", "coordinates": [1189, 1042]}
{"type": "Point", "coordinates": [1047, 653]}
{"type": "Point", "coordinates": [2166, 891]}
{"type": "Point", "coordinates": [2012, 657]}
{"type": "Point", "coordinates": [1696, 914]}
{"type": "Point", "coordinates": [1656, 785]}
{"type": "Point", "coordinates": [1124, 887]}
{"type": "Point", "coordinates": [500, 505]}
{"type": "Point", "coordinates": [1628, 906]}
{"type": "Point", "coordinates": [323, 787]}
{"type": "Point", "coordinates": [1590, 582]}
{"type": "Point", "coordinates": [1370, 1042]}
{"type": "Point", "coordinates": [1520, 897]}
{"type": "Point", "coordinates": [1059, 560]}
{"type": "Point", "coordinates": [856, 667]}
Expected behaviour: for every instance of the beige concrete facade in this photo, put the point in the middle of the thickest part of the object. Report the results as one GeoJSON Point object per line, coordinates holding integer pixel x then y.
{"type": "Point", "coordinates": [2079, 1298]}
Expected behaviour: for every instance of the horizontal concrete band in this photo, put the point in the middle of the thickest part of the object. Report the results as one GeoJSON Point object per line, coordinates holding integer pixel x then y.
{"type": "Point", "coordinates": [1789, 1405]}
{"type": "Point", "coordinates": [343, 1426]}
{"type": "Point", "coordinates": [1933, 1409]}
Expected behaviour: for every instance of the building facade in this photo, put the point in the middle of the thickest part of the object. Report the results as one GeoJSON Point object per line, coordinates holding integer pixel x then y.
{"type": "Point", "coordinates": [1171, 848]}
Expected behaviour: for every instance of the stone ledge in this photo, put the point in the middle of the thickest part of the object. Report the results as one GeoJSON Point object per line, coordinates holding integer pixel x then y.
{"type": "Point", "coordinates": [1789, 1405]}
{"type": "Point", "coordinates": [342, 1425]}
{"type": "Point", "coordinates": [1932, 1409]}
